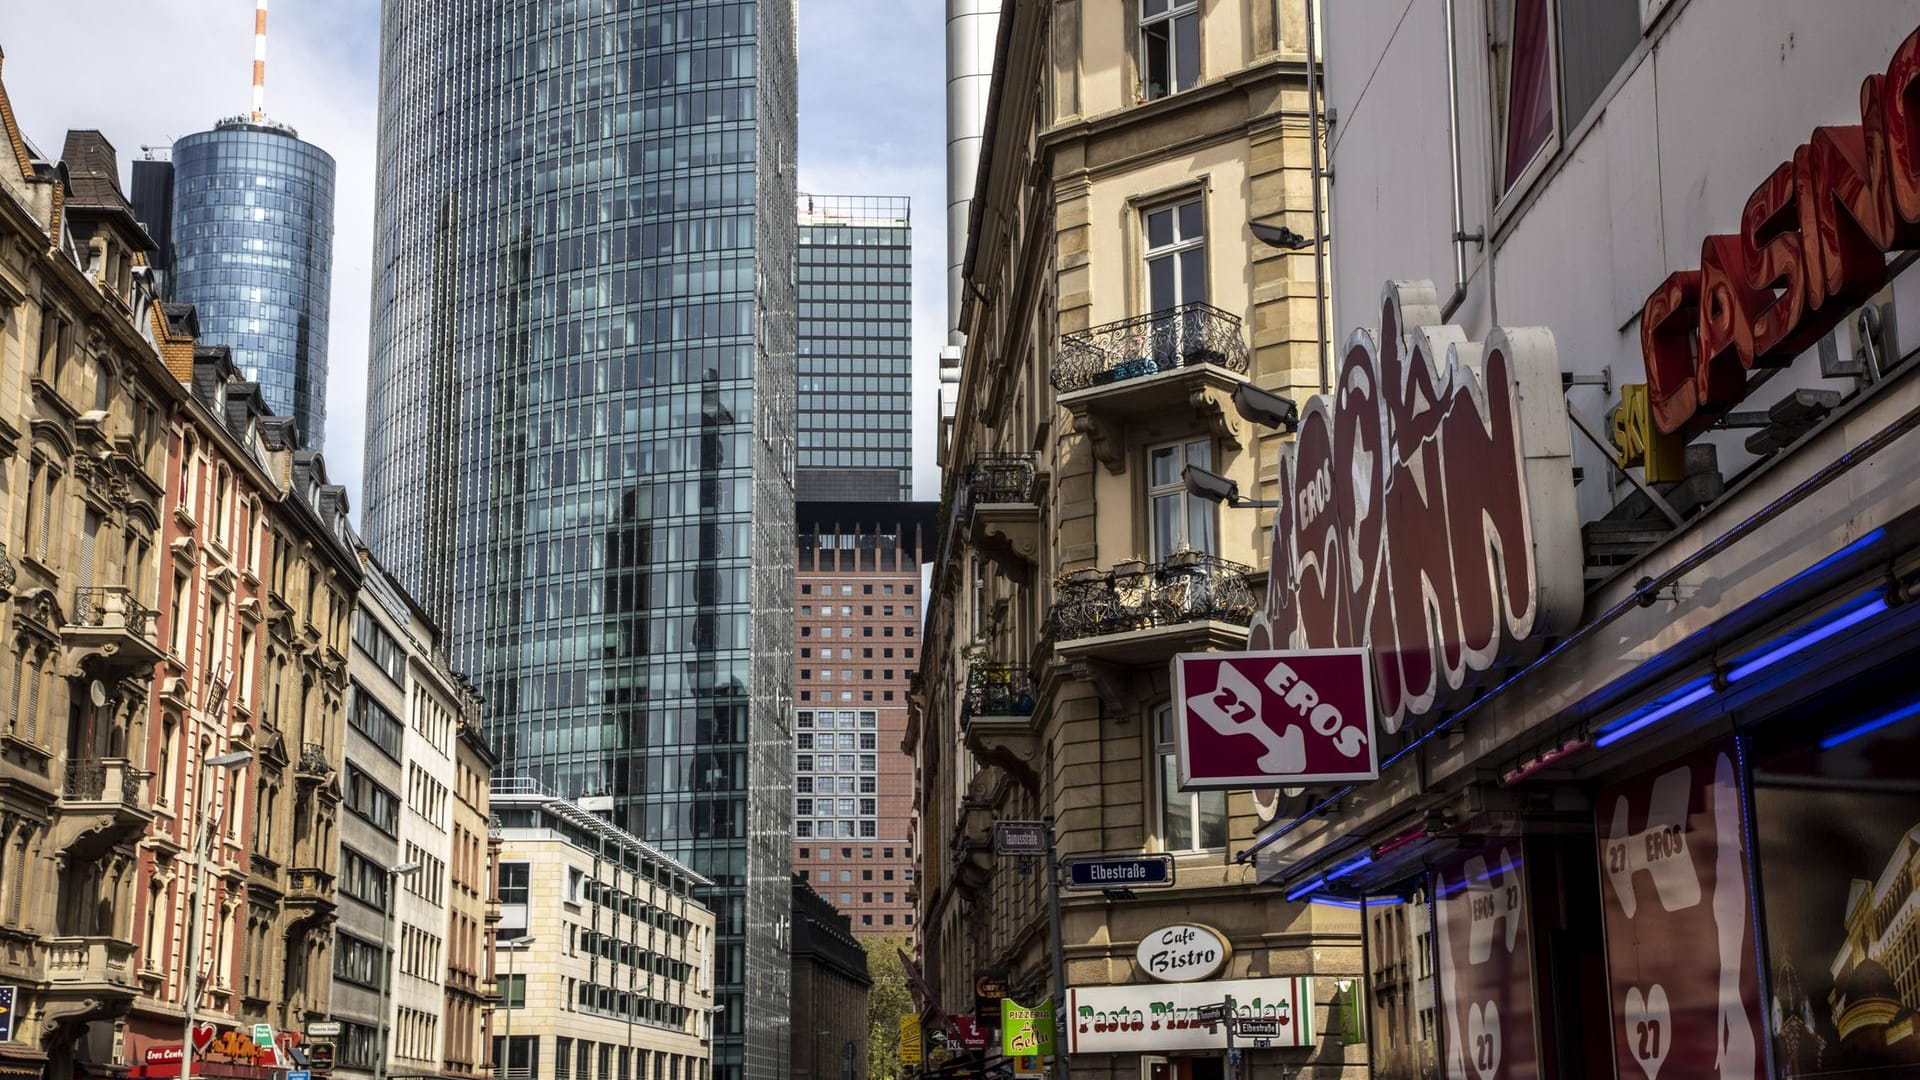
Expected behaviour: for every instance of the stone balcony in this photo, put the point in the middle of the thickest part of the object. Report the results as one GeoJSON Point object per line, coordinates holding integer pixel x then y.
{"type": "Point", "coordinates": [101, 803]}
{"type": "Point", "coordinates": [90, 967]}
{"type": "Point", "coordinates": [1179, 362]}
{"type": "Point", "coordinates": [110, 633]}
{"type": "Point", "coordinates": [996, 717]}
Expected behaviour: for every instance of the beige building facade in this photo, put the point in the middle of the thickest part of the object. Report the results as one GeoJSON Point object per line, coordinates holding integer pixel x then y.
{"type": "Point", "coordinates": [1115, 299]}
{"type": "Point", "coordinates": [603, 959]}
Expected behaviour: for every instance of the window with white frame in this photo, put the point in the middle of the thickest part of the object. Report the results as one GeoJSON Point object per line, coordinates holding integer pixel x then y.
{"type": "Point", "coordinates": [1189, 821]}
{"type": "Point", "coordinates": [1169, 47]}
{"type": "Point", "coordinates": [1181, 521]}
{"type": "Point", "coordinates": [1552, 60]}
{"type": "Point", "coordinates": [1176, 252]}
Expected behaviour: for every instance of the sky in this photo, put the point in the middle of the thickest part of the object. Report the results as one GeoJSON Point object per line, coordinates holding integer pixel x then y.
{"type": "Point", "coordinates": [872, 122]}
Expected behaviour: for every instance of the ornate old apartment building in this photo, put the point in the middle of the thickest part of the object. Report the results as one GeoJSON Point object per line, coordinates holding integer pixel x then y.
{"type": "Point", "coordinates": [1111, 311]}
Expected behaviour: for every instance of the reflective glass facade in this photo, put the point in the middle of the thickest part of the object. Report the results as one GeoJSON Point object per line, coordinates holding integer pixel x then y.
{"type": "Point", "coordinates": [252, 249]}
{"type": "Point", "coordinates": [581, 426]}
{"type": "Point", "coordinates": [856, 348]}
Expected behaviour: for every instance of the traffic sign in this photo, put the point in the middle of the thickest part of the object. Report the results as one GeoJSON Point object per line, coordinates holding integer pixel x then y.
{"type": "Point", "coordinates": [1248, 1027]}
{"type": "Point", "coordinates": [323, 1029]}
{"type": "Point", "coordinates": [299, 1074]}
{"type": "Point", "coordinates": [1128, 872]}
{"type": "Point", "coordinates": [1210, 1013]}
{"type": "Point", "coordinates": [1019, 838]}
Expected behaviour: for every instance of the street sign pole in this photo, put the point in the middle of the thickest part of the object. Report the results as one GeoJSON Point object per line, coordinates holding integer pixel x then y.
{"type": "Point", "coordinates": [1060, 1017]}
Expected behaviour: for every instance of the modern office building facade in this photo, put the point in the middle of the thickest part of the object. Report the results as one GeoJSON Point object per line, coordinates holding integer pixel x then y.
{"type": "Point", "coordinates": [605, 960]}
{"type": "Point", "coordinates": [858, 618]}
{"type": "Point", "coordinates": [855, 365]}
{"type": "Point", "coordinates": [249, 244]}
{"type": "Point", "coordinates": [580, 454]}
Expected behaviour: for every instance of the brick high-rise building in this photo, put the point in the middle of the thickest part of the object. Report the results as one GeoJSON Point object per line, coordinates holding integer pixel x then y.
{"type": "Point", "coordinates": [857, 614]}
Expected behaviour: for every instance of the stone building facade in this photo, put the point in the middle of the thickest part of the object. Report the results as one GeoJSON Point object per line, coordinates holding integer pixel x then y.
{"type": "Point", "coordinates": [1112, 310]}
{"type": "Point", "coordinates": [83, 454]}
{"type": "Point", "coordinates": [471, 913]}
{"type": "Point", "coordinates": [830, 984]}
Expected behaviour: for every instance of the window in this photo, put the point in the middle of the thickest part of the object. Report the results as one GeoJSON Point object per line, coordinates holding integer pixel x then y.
{"type": "Point", "coordinates": [372, 719]}
{"type": "Point", "coordinates": [513, 883]}
{"type": "Point", "coordinates": [513, 991]}
{"type": "Point", "coordinates": [1169, 46]}
{"type": "Point", "coordinates": [1176, 256]}
{"type": "Point", "coordinates": [1181, 521]}
{"type": "Point", "coordinates": [356, 961]}
{"type": "Point", "coordinates": [370, 801]}
{"type": "Point", "coordinates": [1541, 46]}
{"type": "Point", "coordinates": [1189, 821]}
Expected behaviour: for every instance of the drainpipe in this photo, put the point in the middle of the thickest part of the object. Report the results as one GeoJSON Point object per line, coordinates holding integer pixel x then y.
{"type": "Point", "coordinates": [1321, 345]}
{"type": "Point", "coordinates": [1460, 235]}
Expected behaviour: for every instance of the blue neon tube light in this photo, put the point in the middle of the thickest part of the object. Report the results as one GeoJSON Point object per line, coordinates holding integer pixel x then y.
{"type": "Point", "coordinates": [1633, 722]}
{"type": "Point", "coordinates": [1806, 639]}
{"type": "Point", "coordinates": [1885, 720]}
{"type": "Point", "coordinates": [1306, 887]}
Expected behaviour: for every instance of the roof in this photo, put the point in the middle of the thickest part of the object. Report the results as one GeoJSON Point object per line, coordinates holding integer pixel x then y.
{"type": "Point", "coordinates": [93, 178]}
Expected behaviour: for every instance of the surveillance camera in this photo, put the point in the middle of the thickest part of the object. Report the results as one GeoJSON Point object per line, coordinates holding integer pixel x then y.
{"type": "Point", "coordinates": [1257, 406]}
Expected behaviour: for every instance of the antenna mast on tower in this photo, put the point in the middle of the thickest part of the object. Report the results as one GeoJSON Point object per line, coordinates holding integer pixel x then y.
{"type": "Point", "coordinates": [259, 60]}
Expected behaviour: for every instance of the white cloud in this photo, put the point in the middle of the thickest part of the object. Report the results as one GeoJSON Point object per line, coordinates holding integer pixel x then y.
{"type": "Point", "coordinates": [148, 73]}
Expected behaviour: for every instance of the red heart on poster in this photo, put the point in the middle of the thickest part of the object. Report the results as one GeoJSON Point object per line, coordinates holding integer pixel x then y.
{"type": "Point", "coordinates": [203, 1036]}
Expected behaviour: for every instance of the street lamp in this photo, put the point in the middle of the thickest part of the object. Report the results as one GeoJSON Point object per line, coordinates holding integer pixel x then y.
{"type": "Point", "coordinates": [394, 874]}
{"type": "Point", "coordinates": [189, 961]}
{"type": "Point", "coordinates": [506, 1048]}
{"type": "Point", "coordinates": [1213, 487]}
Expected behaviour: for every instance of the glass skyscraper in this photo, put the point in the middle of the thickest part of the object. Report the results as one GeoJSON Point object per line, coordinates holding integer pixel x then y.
{"type": "Point", "coordinates": [856, 348]}
{"type": "Point", "coordinates": [580, 442]}
{"type": "Point", "coordinates": [252, 251]}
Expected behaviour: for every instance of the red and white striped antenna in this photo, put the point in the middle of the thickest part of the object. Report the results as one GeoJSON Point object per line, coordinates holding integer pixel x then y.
{"type": "Point", "coordinates": [259, 60]}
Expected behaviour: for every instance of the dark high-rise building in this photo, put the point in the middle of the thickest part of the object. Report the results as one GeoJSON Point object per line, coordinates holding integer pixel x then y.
{"type": "Point", "coordinates": [245, 230]}
{"type": "Point", "coordinates": [581, 420]}
{"type": "Point", "coordinates": [856, 348]}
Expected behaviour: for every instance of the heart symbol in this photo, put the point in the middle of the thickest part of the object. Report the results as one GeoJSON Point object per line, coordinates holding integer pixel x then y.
{"type": "Point", "coordinates": [1483, 1039]}
{"type": "Point", "coordinates": [203, 1036]}
{"type": "Point", "coordinates": [1649, 1028]}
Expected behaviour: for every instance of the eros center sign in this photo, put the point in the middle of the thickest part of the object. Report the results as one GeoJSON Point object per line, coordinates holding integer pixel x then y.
{"type": "Point", "coordinates": [1183, 952]}
{"type": "Point", "coordinates": [1259, 719]}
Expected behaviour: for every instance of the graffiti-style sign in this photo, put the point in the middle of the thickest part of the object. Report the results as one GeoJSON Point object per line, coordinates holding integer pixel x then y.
{"type": "Point", "coordinates": [1427, 507]}
{"type": "Point", "coordinates": [1812, 245]}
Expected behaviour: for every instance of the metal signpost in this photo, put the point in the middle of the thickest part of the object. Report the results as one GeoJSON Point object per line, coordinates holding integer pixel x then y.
{"type": "Point", "coordinates": [1026, 839]}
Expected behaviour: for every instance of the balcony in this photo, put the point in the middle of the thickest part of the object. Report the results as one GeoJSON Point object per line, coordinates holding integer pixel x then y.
{"type": "Point", "coordinates": [100, 805]}
{"type": "Point", "coordinates": [314, 764]}
{"type": "Point", "coordinates": [309, 892]}
{"type": "Point", "coordinates": [996, 718]}
{"type": "Point", "coordinates": [99, 968]}
{"type": "Point", "coordinates": [1003, 499]}
{"type": "Point", "coordinates": [1143, 613]}
{"type": "Point", "coordinates": [110, 632]}
{"type": "Point", "coordinates": [1177, 362]}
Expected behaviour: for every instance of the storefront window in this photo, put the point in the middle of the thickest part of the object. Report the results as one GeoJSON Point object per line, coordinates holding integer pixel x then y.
{"type": "Point", "coordinates": [1837, 828]}
{"type": "Point", "coordinates": [1189, 820]}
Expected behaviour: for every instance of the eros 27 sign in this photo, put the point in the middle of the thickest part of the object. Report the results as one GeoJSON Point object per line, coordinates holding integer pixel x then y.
{"type": "Point", "coordinates": [1258, 719]}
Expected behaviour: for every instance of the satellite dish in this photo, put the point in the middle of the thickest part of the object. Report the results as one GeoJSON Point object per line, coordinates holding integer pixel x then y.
{"type": "Point", "coordinates": [97, 691]}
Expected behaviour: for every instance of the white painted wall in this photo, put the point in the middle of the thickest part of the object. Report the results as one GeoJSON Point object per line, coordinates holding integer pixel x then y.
{"type": "Point", "coordinates": [1712, 102]}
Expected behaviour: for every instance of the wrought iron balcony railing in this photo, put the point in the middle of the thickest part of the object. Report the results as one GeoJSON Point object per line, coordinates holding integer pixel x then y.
{"type": "Point", "coordinates": [1184, 588]}
{"type": "Point", "coordinates": [995, 689]}
{"type": "Point", "coordinates": [1171, 338]}
{"type": "Point", "coordinates": [111, 607]}
{"type": "Point", "coordinates": [1002, 478]}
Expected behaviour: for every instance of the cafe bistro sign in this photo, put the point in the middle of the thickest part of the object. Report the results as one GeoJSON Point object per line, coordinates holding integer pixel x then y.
{"type": "Point", "coordinates": [1183, 952]}
{"type": "Point", "coordinates": [1812, 246]}
{"type": "Point", "coordinates": [1426, 507]}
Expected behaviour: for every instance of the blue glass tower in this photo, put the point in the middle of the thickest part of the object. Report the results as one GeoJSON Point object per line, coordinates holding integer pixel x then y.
{"type": "Point", "coordinates": [580, 442]}
{"type": "Point", "coordinates": [252, 251]}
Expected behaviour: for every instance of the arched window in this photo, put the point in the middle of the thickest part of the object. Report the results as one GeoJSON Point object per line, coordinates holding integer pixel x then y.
{"type": "Point", "coordinates": [222, 505]}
